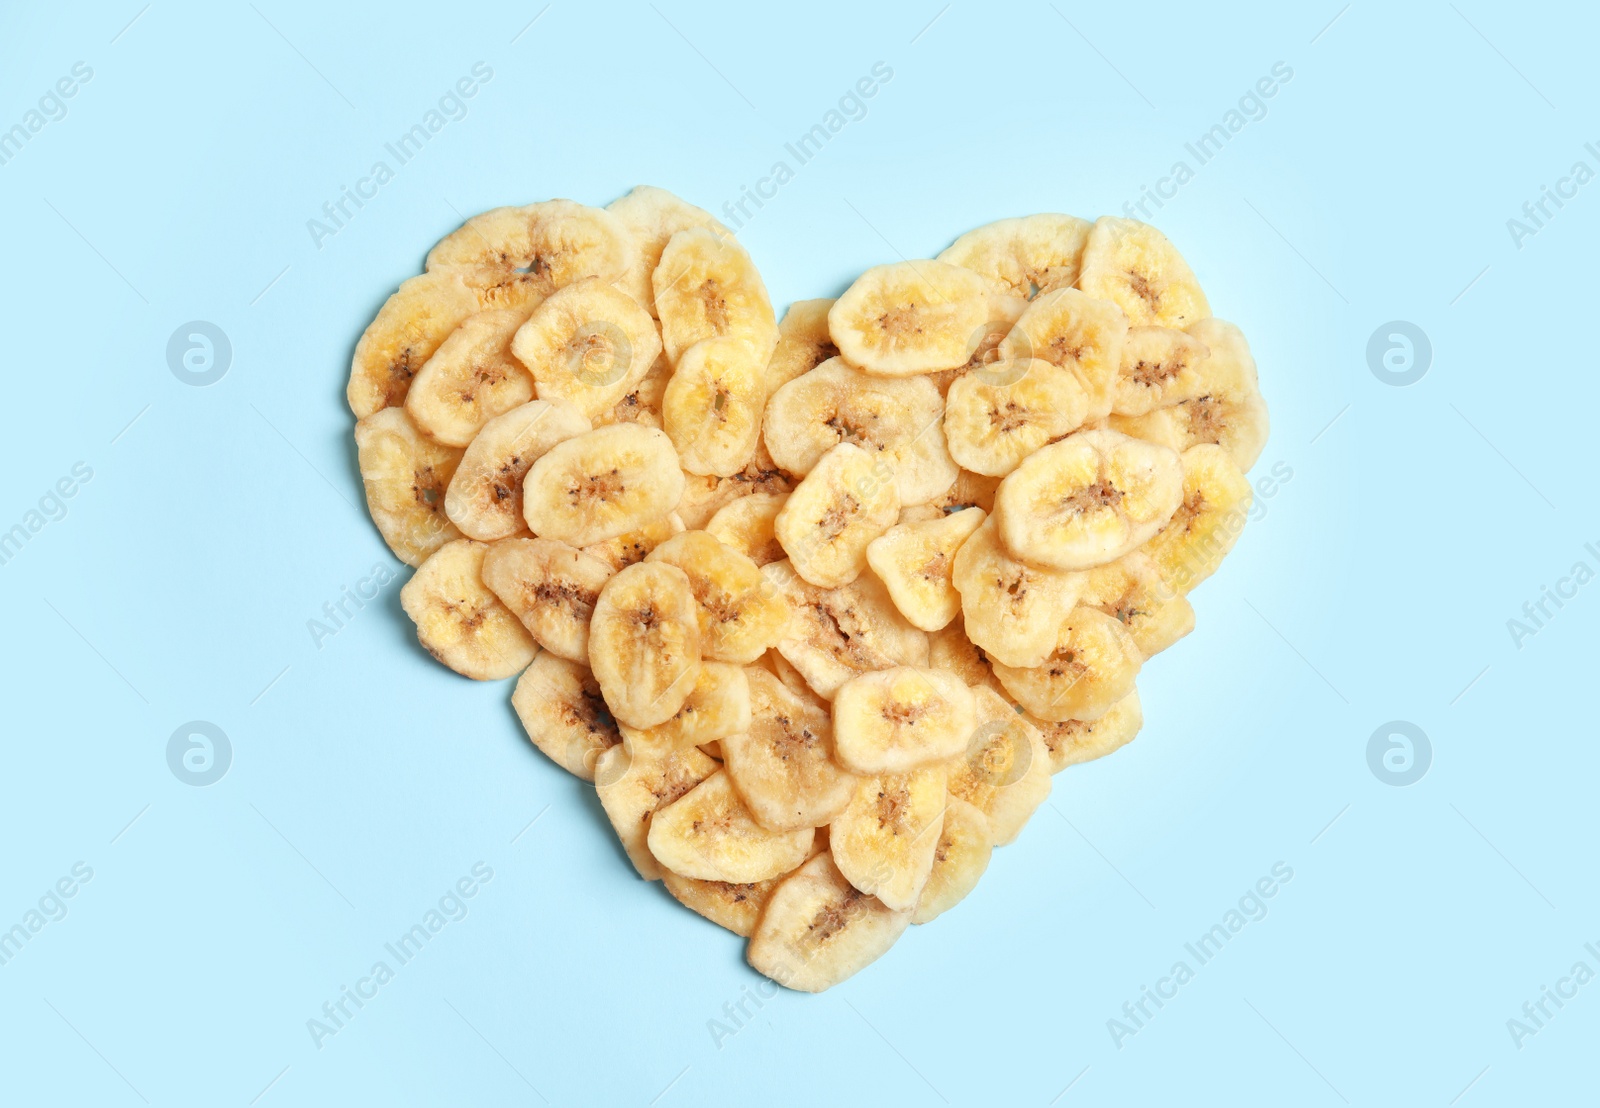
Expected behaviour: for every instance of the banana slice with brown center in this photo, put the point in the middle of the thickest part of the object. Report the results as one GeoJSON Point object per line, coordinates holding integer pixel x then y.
{"type": "Point", "coordinates": [644, 643]}
{"type": "Point", "coordinates": [607, 482]}
{"type": "Point", "coordinates": [406, 476]}
{"type": "Point", "coordinates": [459, 621]}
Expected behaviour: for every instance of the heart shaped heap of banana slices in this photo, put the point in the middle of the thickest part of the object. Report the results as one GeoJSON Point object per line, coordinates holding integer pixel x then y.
{"type": "Point", "coordinates": [817, 605]}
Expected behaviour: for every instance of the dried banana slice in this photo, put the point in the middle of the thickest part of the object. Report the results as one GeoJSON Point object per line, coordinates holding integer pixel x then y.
{"type": "Point", "coordinates": [551, 587]}
{"type": "Point", "coordinates": [1133, 265]}
{"type": "Point", "coordinates": [803, 343]}
{"type": "Point", "coordinates": [602, 484]}
{"type": "Point", "coordinates": [895, 720]}
{"type": "Point", "coordinates": [516, 255]}
{"type": "Point", "coordinates": [792, 679]}
{"type": "Point", "coordinates": [1027, 256]}
{"type": "Point", "coordinates": [704, 496]}
{"type": "Point", "coordinates": [406, 332]}
{"type": "Point", "coordinates": [971, 490]}
{"type": "Point", "coordinates": [632, 790]}
{"type": "Point", "coordinates": [560, 706]}
{"type": "Point", "coordinates": [783, 765]}
{"type": "Point", "coordinates": [997, 416]}
{"type": "Point", "coordinates": [746, 525]}
{"type": "Point", "coordinates": [1227, 409]}
{"type": "Point", "coordinates": [652, 216]}
{"type": "Point", "coordinates": [910, 317]}
{"type": "Point", "coordinates": [1011, 609]}
{"type": "Point", "coordinates": [818, 929]}
{"type": "Point", "coordinates": [1082, 335]}
{"type": "Point", "coordinates": [958, 861]}
{"type": "Point", "coordinates": [1216, 503]}
{"type": "Point", "coordinates": [706, 287]}
{"type": "Point", "coordinates": [485, 495]}
{"type": "Point", "coordinates": [1093, 666]}
{"type": "Point", "coordinates": [635, 546]}
{"type": "Point", "coordinates": [951, 651]}
{"type": "Point", "coordinates": [1160, 367]}
{"type": "Point", "coordinates": [1131, 591]}
{"type": "Point", "coordinates": [459, 621]}
{"type": "Point", "coordinates": [1088, 499]}
{"type": "Point", "coordinates": [709, 834]}
{"type": "Point", "coordinates": [847, 500]}
{"type": "Point", "coordinates": [642, 404]}
{"type": "Point", "coordinates": [742, 614]}
{"type": "Point", "coordinates": [470, 379]}
{"type": "Point", "coordinates": [1004, 771]}
{"type": "Point", "coordinates": [644, 643]}
{"type": "Point", "coordinates": [915, 561]}
{"type": "Point", "coordinates": [731, 906]}
{"type": "Point", "coordinates": [588, 344]}
{"type": "Point", "coordinates": [712, 406]}
{"type": "Point", "coordinates": [1073, 741]}
{"type": "Point", "coordinates": [885, 839]}
{"type": "Point", "coordinates": [897, 419]}
{"type": "Point", "coordinates": [718, 705]}
{"type": "Point", "coordinates": [405, 477]}
{"type": "Point", "coordinates": [836, 634]}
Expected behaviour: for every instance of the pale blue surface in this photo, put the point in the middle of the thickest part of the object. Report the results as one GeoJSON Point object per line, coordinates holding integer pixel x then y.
{"type": "Point", "coordinates": [1376, 188]}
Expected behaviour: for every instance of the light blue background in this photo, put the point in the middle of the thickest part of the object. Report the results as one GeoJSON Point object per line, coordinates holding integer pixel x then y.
{"type": "Point", "coordinates": [366, 780]}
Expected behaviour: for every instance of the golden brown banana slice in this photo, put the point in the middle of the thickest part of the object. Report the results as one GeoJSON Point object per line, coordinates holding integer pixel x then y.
{"type": "Point", "coordinates": [470, 379]}
{"type": "Point", "coordinates": [602, 484]}
{"type": "Point", "coordinates": [847, 500]}
{"type": "Point", "coordinates": [1131, 591]}
{"type": "Point", "coordinates": [996, 416]}
{"type": "Point", "coordinates": [589, 344]}
{"type": "Point", "coordinates": [1093, 666]}
{"type": "Point", "coordinates": [1078, 333]}
{"type": "Point", "coordinates": [642, 403]}
{"type": "Point", "coordinates": [1216, 504]}
{"type": "Point", "coordinates": [836, 634]}
{"type": "Point", "coordinates": [707, 287]}
{"type": "Point", "coordinates": [1011, 609]}
{"type": "Point", "coordinates": [896, 419]}
{"type": "Point", "coordinates": [1227, 409]}
{"type": "Point", "coordinates": [1088, 499]}
{"type": "Point", "coordinates": [742, 614]}
{"type": "Point", "coordinates": [1027, 256]}
{"type": "Point", "coordinates": [1133, 265]}
{"type": "Point", "coordinates": [896, 720]}
{"type": "Point", "coordinates": [817, 929]}
{"type": "Point", "coordinates": [885, 839]}
{"type": "Point", "coordinates": [644, 643]}
{"type": "Point", "coordinates": [459, 621]}
{"type": "Point", "coordinates": [1160, 367]}
{"type": "Point", "coordinates": [405, 477]}
{"type": "Point", "coordinates": [1005, 770]}
{"type": "Point", "coordinates": [560, 706]}
{"type": "Point", "coordinates": [971, 490]}
{"type": "Point", "coordinates": [951, 651]}
{"type": "Point", "coordinates": [704, 495]}
{"type": "Point", "coordinates": [1073, 741]}
{"type": "Point", "coordinates": [910, 317]}
{"type": "Point", "coordinates": [709, 834]}
{"type": "Point", "coordinates": [551, 587]}
{"type": "Point", "coordinates": [915, 561]}
{"type": "Point", "coordinates": [782, 765]}
{"type": "Point", "coordinates": [512, 255]}
{"type": "Point", "coordinates": [652, 216]}
{"type": "Point", "coordinates": [718, 705]}
{"type": "Point", "coordinates": [712, 406]}
{"type": "Point", "coordinates": [406, 332]}
{"type": "Point", "coordinates": [746, 525]}
{"type": "Point", "coordinates": [635, 546]}
{"type": "Point", "coordinates": [632, 789]}
{"type": "Point", "coordinates": [958, 861]}
{"type": "Point", "coordinates": [731, 906]}
{"type": "Point", "coordinates": [803, 343]}
{"type": "Point", "coordinates": [485, 495]}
